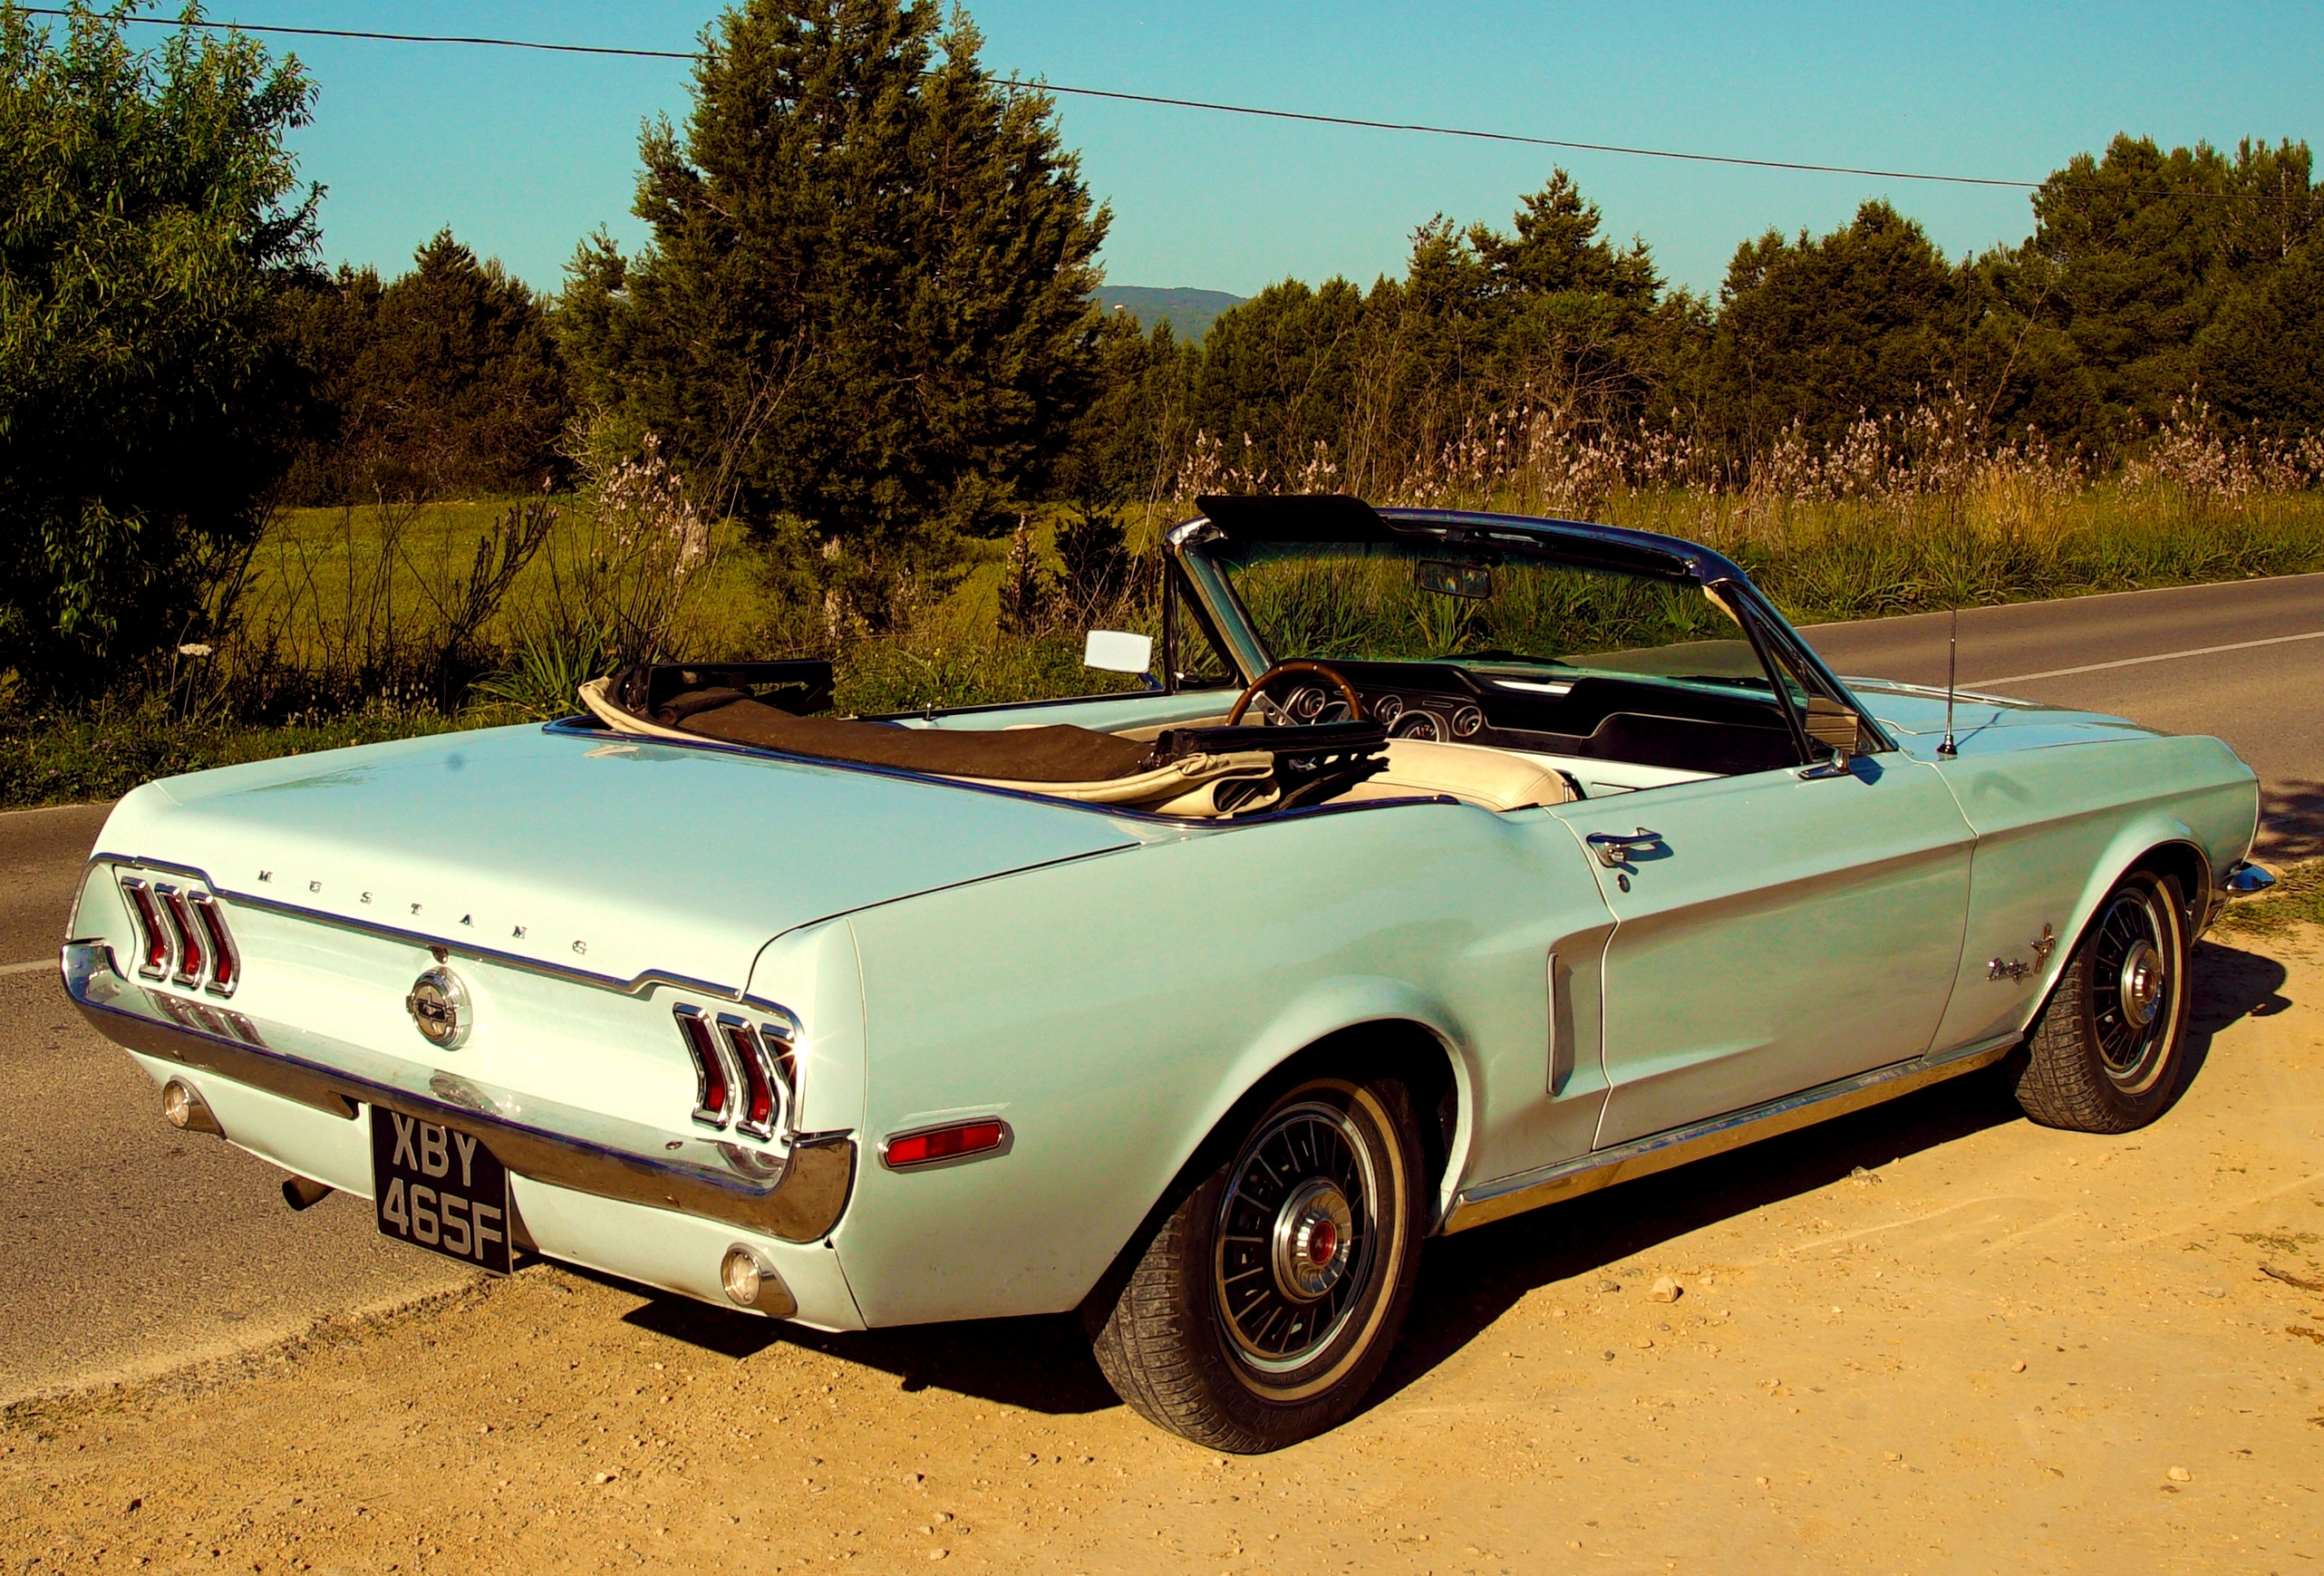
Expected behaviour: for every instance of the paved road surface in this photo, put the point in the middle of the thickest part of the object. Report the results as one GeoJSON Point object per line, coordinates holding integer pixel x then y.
{"type": "Point", "coordinates": [2263, 693]}
{"type": "Point", "coordinates": [127, 1249]}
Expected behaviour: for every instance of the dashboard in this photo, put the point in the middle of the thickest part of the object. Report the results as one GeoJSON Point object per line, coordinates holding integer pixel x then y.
{"type": "Point", "coordinates": [1716, 729]}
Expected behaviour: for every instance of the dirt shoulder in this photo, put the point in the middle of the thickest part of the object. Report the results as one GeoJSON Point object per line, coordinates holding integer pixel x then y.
{"type": "Point", "coordinates": [1929, 1338]}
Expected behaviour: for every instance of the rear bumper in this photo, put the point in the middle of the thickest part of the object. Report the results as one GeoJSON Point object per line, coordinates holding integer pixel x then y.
{"type": "Point", "coordinates": [796, 1196]}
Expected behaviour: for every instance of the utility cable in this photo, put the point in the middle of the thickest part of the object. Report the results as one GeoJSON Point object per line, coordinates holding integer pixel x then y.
{"type": "Point", "coordinates": [1014, 85]}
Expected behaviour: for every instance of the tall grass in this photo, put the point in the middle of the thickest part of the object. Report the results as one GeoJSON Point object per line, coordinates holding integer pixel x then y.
{"type": "Point", "coordinates": [361, 623]}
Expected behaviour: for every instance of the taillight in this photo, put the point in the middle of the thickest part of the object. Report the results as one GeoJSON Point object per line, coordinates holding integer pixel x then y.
{"type": "Point", "coordinates": [225, 960]}
{"type": "Point", "coordinates": [714, 1089]}
{"type": "Point", "coordinates": [189, 952]}
{"type": "Point", "coordinates": [745, 1073]}
{"type": "Point", "coordinates": [152, 936]}
{"type": "Point", "coordinates": [757, 1117]}
{"type": "Point", "coordinates": [182, 936]}
{"type": "Point", "coordinates": [931, 1144]}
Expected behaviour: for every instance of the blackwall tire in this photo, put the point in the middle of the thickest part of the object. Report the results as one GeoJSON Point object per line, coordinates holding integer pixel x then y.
{"type": "Point", "coordinates": [1261, 1310]}
{"type": "Point", "coordinates": [2109, 1051]}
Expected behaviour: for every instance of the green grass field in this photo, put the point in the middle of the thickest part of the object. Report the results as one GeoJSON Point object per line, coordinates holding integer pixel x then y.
{"type": "Point", "coordinates": [325, 581]}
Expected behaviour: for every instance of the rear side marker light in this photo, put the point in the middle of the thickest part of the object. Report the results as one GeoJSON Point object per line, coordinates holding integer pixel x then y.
{"type": "Point", "coordinates": [931, 1146]}
{"type": "Point", "coordinates": [714, 1082]}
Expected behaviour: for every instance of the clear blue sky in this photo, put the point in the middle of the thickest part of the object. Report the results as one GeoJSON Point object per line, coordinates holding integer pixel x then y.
{"type": "Point", "coordinates": [523, 153]}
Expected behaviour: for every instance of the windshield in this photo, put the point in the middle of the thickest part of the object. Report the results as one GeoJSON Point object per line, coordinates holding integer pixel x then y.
{"type": "Point", "coordinates": [1482, 608]}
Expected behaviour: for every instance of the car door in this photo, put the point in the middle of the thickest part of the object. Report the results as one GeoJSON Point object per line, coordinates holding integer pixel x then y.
{"type": "Point", "coordinates": [1774, 932]}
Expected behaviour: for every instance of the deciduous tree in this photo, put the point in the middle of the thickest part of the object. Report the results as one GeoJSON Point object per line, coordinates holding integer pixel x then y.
{"type": "Point", "coordinates": [148, 209]}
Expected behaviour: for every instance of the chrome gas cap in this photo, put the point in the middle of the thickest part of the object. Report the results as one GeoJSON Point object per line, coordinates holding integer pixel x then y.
{"type": "Point", "coordinates": [441, 1008]}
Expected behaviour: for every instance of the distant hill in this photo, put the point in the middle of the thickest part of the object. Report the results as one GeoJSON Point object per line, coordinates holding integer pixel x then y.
{"type": "Point", "coordinates": [1187, 312]}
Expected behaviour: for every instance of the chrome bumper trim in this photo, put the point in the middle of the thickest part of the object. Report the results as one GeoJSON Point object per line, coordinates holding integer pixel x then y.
{"type": "Point", "coordinates": [2244, 878]}
{"type": "Point", "coordinates": [1498, 1199]}
{"type": "Point", "coordinates": [798, 1196]}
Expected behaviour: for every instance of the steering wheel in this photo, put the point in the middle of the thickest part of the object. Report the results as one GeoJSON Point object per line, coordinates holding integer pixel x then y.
{"type": "Point", "coordinates": [1298, 666]}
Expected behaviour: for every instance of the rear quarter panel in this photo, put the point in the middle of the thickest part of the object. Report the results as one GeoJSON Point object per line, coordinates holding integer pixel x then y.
{"type": "Point", "coordinates": [1111, 1011]}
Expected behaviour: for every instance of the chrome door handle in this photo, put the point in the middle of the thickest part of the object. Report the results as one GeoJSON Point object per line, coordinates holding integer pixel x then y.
{"type": "Point", "coordinates": [1613, 849]}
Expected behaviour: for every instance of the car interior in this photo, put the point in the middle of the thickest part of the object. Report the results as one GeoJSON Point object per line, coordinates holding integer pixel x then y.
{"type": "Point", "coordinates": [1417, 729]}
{"type": "Point", "coordinates": [1430, 658]}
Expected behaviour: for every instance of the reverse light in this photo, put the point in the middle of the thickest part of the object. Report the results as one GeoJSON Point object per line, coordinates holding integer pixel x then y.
{"type": "Point", "coordinates": [750, 1282]}
{"type": "Point", "coordinates": [183, 1107]}
{"type": "Point", "coordinates": [957, 1141]}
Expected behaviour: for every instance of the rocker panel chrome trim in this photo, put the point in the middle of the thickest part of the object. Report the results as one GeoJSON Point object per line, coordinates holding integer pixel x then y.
{"type": "Point", "coordinates": [797, 1197]}
{"type": "Point", "coordinates": [1491, 1201]}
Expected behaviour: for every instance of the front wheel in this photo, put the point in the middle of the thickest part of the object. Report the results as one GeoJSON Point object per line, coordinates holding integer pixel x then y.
{"type": "Point", "coordinates": [2106, 1055]}
{"type": "Point", "coordinates": [1262, 1310]}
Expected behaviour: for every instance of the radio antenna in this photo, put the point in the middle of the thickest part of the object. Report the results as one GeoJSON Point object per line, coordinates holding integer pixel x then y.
{"type": "Point", "coordinates": [1952, 670]}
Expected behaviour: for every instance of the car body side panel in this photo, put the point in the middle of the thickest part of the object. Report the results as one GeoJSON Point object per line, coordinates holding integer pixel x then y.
{"type": "Point", "coordinates": [1781, 931]}
{"type": "Point", "coordinates": [2055, 828]}
{"type": "Point", "coordinates": [1112, 1011]}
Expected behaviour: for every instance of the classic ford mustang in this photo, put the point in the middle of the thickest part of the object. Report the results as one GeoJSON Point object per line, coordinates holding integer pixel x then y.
{"type": "Point", "coordinates": [1448, 865]}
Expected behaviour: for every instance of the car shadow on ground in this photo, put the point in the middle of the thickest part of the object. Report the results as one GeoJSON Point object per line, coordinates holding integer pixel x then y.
{"type": "Point", "coordinates": [1467, 1282]}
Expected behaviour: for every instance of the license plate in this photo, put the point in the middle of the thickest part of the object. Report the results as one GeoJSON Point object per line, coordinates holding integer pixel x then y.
{"type": "Point", "coordinates": [440, 1189]}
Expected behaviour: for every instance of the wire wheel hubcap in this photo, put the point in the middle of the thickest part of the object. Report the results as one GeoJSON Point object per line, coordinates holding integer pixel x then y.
{"type": "Point", "coordinates": [1295, 1237]}
{"type": "Point", "coordinates": [2133, 996]}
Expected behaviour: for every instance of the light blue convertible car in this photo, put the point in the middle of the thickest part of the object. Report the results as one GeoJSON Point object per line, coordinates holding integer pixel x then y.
{"type": "Point", "coordinates": [1448, 865]}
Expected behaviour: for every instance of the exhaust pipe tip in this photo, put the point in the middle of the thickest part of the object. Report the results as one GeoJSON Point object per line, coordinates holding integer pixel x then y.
{"type": "Point", "coordinates": [300, 1194]}
{"type": "Point", "coordinates": [183, 1107]}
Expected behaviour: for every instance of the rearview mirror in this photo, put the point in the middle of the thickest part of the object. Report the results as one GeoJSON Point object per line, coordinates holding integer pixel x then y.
{"type": "Point", "coordinates": [1832, 725]}
{"type": "Point", "coordinates": [1471, 582]}
{"type": "Point", "coordinates": [1118, 651]}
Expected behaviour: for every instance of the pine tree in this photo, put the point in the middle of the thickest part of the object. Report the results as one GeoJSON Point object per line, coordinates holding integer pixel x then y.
{"type": "Point", "coordinates": [867, 300]}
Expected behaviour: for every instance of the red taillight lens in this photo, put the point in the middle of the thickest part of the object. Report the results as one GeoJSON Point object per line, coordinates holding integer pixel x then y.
{"type": "Point", "coordinates": [758, 1115]}
{"type": "Point", "coordinates": [153, 940]}
{"type": "Point", "coordinates": [190, 955]}
{"type": "Point", "coordinates": [225, 963]}
{"type": "Point", "coordinates": [711, 1089]}
{"type": "Point", "coordinates": [942, 1144]}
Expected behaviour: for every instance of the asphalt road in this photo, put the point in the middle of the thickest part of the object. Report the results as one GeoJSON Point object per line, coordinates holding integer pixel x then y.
{"type": "Point", "coordinates": [2244, 662]}
{"type": "Point", "coordinates": [127, 1249]}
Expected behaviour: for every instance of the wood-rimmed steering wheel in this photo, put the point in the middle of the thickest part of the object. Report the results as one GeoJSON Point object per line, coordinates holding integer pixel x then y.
{"type": "Point", "coordinates": [1298, 666]}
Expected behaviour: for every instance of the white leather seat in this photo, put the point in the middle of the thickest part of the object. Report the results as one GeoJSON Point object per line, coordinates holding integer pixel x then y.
{"type": "Point", "coordinates": [1475, 774]}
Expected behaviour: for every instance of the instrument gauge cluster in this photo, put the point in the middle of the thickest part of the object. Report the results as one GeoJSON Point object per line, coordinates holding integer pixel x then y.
{"type": "Point", "coordinates": [1435, 718]}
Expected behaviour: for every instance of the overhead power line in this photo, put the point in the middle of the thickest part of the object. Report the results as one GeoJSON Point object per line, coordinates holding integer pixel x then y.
{"type": "Point", "coordinates": [1253, 110]}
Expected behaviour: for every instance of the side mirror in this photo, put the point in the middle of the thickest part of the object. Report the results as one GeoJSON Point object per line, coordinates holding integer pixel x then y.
{"type": "Point", "coordinates": [1832, 725]}
{"type": "Point", "coordinates": [1118, 651]}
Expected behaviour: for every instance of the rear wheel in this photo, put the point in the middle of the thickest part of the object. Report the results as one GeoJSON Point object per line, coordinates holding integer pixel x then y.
{"type": "Point", "coordinates": [2106, 1055]}
{"type": "Point", "coordinates": [1262, 1310]}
